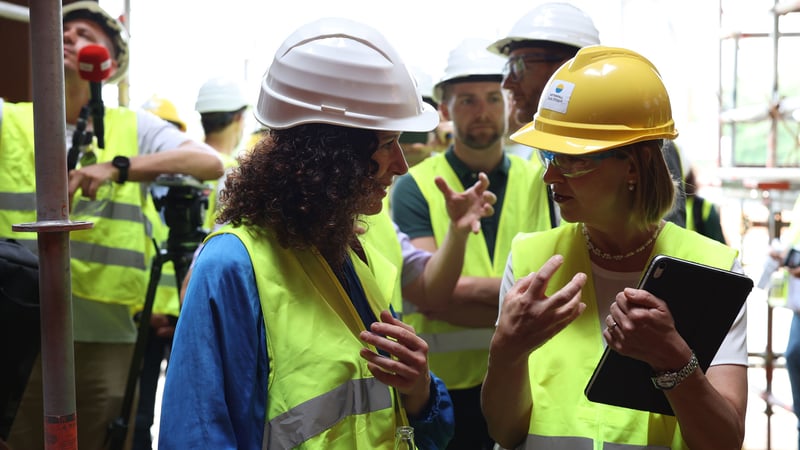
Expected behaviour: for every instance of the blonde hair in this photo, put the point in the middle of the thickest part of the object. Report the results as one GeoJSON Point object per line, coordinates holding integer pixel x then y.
{"type": "Point", "coordinates": [655, 189]}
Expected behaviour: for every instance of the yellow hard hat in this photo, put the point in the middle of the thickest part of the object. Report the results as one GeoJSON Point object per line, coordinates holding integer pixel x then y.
{"type": "Point", "coordinates": [165, 109]}
{"type": "Point", "coordinates": [604, 97]}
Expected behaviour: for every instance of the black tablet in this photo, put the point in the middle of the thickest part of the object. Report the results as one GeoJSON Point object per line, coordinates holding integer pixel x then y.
{"type": "Point", "coordinates": [704, 302]}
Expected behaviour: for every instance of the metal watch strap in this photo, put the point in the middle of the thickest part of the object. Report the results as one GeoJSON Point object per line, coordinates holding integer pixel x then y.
{"type": "Point", "coordinates": [676, 377]}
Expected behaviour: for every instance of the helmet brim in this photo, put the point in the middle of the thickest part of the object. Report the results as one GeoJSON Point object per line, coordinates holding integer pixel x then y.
{"type": "Point", "coordinates": [582, 139]}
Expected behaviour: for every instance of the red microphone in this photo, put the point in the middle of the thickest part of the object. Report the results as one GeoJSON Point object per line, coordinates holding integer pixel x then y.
{"type": "Point", "coordinates": [94, 63]}
{"type": "Point", "coordinates": [94, 66]}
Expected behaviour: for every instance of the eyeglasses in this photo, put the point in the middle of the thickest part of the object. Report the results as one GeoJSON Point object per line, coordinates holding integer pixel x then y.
{"type": "Point", "coordinates": [574, 166]}
{"type": "Point", "coordinates": [516, 65]}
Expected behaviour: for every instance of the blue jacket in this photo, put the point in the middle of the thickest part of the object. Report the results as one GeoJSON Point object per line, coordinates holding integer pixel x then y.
{"type": "Point", "coordinates": [215, 391]}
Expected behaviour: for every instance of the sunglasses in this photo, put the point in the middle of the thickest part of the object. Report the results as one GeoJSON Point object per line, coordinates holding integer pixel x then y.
{"type": "Point", "coordinates": [516, 65]}
{"type": "Point", "coordinates": [574, 166]}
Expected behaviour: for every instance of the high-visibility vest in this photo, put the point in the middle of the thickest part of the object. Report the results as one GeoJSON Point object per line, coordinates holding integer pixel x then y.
{"type": "Point", "coordinates": [459, 355]}
{"type": "Point", "coordinates": [381, 234]}
{"type": "Point", "coordinates": [228, 163]}
{"type": "Point", "coordinates": [108, 262]}
{"type": "Point", "coordinates": [562, 416]}
{"type": "Point", "coordinates": [321, 395]}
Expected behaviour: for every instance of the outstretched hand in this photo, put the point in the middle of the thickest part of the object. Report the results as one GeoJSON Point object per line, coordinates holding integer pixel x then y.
{"type": "Point", "coordinates": [529, 317]}
{"type": "Point", "coordinates": [466, 209]}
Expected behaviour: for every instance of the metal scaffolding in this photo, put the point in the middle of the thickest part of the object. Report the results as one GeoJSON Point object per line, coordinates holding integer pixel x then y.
{"type": "Point", "coordinates": [758, 155]}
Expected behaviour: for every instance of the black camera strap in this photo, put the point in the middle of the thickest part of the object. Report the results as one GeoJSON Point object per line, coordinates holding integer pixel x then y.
{"type": "Point", "coordinates": [81, 139]}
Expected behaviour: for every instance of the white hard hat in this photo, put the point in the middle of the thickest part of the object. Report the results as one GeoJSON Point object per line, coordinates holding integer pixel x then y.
{"type": "Point", "coordinates": [341, 72]}
{"type": "Point", "coordinates": [470, 59]}
{"type": "Point", "coordinates": [220, 94]}
{"type": "Point", "coordinates": [553, 22]}
{"type": "Point", "coordinates": [424, 81]}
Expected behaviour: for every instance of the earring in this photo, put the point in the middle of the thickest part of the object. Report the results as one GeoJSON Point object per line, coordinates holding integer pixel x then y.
{"type": "Point", "coordinates": [631, 186]}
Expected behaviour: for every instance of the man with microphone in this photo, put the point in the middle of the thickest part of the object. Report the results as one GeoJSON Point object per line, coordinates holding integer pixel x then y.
{"type": "Point", "coordinates": [110, 262]}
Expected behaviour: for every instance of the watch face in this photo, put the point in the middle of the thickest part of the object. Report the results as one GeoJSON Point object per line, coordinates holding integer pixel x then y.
{"type": "Point", "coordinates": [120, 162]}
{"type": "Point", "coordinates": [665, 381]}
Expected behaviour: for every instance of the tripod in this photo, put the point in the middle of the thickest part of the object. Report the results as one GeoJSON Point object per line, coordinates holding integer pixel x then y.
{"type": "Point", "coordinates": [183, 212]}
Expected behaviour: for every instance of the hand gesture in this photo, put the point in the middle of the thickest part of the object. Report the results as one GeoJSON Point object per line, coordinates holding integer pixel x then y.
{"type": "Point", "coordinates": [89, 178]}
{"type": "Point", "coordinates": [407, 368]}
{"type": "Point", "coordinates": [466, 209]}
{"type": "Point", "coordinates": [529, 318]}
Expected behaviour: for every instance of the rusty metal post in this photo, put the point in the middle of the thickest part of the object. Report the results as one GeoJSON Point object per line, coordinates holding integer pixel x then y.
{"type": "Point", "coordinates": [53, 225]}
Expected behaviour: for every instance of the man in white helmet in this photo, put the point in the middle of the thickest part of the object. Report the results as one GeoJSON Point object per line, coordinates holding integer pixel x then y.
{"type": "Point", "coordinates": [288, 336]}
{"type": "Point", "coordinates": [109, 263]}
{"type": "Point", "coordinates": [537, 45]}
{"type": "Point", "coordinates": [221, 103]}
{"type": "Point", "coordinates": [458, 331]}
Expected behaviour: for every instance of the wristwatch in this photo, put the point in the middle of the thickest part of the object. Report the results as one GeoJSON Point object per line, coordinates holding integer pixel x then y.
{"type": "Point", "coordinates": [669, 379]}
{"type": "Point", "coordinates": [122, 163]}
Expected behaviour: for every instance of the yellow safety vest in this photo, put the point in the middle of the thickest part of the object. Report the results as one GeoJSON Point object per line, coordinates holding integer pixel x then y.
{"type": "Point", "coordinates": [562, 417]}
{"type": "Point", "coordinates": [108, 262]}
{"type": "Point", "coordinates": [459, 355]}
{"type": "Point", "coordinates": [707, 205]}
{"type": "Point", "coordinates": [382, 235]}
{"type": "Point", "coordinates": [321, 395]}
{"type": "Point", "coordinates": [228, 162]}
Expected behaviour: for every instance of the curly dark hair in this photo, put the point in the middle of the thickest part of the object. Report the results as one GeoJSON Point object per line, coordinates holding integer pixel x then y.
{"type": "Point", "coordinates": [307, 184]}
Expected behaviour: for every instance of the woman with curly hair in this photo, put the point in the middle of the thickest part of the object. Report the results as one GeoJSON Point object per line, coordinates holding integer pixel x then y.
{"type": "Point", "coordinates": [307, 183]}
{"type": "Point", "coordinates": [288, 337]}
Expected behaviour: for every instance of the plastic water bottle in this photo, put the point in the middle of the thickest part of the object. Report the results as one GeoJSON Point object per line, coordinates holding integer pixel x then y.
{"type": "Point", "coordinates": [404, 438]}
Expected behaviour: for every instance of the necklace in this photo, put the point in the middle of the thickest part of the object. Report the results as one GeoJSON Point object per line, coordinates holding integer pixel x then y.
{"type": "Point", "coordinates": [597, 252]}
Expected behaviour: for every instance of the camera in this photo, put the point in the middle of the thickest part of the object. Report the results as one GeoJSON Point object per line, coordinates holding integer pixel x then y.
{"type": "Point", "coordinates": [182, 201]}
{"type": "Point", "coordinates": [792, 258]}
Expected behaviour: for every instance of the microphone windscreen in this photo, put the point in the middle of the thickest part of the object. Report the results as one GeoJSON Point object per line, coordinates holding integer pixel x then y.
{"type": "Point", "coordinates": [94, 63]}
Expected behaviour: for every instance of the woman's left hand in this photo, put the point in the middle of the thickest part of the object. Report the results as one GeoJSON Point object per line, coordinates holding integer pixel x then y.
{"type": "Point", "coordinates": [640, 325]}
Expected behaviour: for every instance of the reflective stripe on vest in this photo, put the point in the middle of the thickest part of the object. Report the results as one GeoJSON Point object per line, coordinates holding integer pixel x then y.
{"type": "Point", "coordinates": [577, 443]}
{"type": "Point", "coordinates": [461, 340]}
{"type": "Point", "coordinates": [561, 367]}
{"type": "Point", "coordinates": [459, 355]}
{"type": "Point", "coordinates": [311, 418]}
{"type": "Point", "coordinates": [26, 202]}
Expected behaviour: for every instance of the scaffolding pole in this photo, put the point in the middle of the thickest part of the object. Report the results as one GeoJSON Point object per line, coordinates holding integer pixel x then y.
{"type": "Point", "coordinates": [53, 225]}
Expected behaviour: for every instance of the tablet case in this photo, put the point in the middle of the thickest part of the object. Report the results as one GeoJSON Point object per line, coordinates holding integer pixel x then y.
{"type": "Point", "coordinates": [704, 302]}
